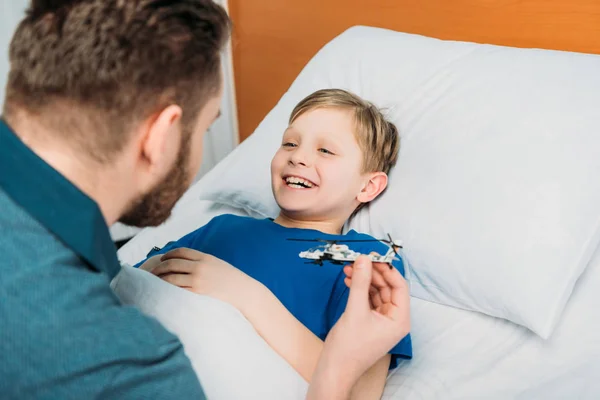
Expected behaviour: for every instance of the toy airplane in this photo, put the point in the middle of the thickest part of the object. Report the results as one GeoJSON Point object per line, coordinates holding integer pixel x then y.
{"type": "Point", "coordinates": [341, 254]}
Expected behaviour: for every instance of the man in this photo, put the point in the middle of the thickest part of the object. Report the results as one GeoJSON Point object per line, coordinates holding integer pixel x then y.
{"type": "Point", "coordinates": [106, 105]}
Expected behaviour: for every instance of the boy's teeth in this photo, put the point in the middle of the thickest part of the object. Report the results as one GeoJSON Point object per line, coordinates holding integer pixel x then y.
{"type": "Point", "coordinates": [298, 182]}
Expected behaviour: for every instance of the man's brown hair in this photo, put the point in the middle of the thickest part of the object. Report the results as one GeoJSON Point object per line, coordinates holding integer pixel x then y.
{"type": "Point", "coordinates": [92, 69]}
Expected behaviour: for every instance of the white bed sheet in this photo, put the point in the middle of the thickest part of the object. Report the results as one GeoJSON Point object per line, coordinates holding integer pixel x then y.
{"type": "Point", "coordinates": [461, 354]}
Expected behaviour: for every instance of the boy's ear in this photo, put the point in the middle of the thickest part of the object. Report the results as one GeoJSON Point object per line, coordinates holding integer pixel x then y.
{"type": "Point", "coordinates": [374, 186]}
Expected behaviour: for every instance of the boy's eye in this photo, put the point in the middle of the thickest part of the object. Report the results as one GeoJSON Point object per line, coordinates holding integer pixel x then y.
{"type": "Point", "coordinates": [322, 150]}
{"type": "Point", "coordinates": [289, 144]}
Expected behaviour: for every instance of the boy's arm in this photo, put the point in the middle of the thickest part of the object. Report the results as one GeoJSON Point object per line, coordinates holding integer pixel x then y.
{"type": "Point", "coordinates": [205, 274]}
{"type": "Point", "coordinates": [283, 332]}
{"type": "Point", "coordinates": [300, 347]}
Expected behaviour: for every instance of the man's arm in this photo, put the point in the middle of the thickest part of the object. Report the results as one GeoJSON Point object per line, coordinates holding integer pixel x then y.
{"type": "Point", "coordinates": [364, 332]}
{"type": "Point", "coordinates": [372, 383]}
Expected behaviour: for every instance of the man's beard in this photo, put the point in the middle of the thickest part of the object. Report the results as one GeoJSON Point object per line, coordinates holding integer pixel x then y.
{"type": "Point", "coordinates": [153, 208]}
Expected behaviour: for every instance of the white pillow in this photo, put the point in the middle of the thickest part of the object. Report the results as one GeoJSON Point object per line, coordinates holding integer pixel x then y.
{"type": "Point", "coordinates": [496, 192]}
{"type": "Point", "coordinates": [231, 360]}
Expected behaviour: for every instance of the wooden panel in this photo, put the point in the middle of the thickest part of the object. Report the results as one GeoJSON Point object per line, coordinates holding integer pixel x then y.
{"type": "Point", "coordinates": [274, 39]}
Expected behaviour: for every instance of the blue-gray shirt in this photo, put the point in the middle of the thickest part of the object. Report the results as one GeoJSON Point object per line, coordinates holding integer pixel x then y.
{"type": "Point", "coordinates": [63, 332]}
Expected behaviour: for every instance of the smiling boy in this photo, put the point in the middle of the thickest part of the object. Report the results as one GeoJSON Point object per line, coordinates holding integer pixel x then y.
{"type": "Point", "coordinates": [334, 158]}
{"type": "Point", "coordinates": [317, 175]}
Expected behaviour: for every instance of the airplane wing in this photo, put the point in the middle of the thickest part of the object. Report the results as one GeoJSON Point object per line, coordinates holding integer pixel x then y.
{"type": "Point", "coordinates": [345, 257]}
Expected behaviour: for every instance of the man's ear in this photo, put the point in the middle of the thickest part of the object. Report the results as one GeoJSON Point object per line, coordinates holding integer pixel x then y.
{"type": "Point", "coordinates": [160, 140]}
{"type": "Point", "coordinates": [376, 183]}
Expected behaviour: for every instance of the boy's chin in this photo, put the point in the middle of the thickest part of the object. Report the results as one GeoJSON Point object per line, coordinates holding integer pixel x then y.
{"type": "Point", "coordinates": [287, 209]}
{"type": "Point", "coordinates": [291, 203]}
{"type": "Point", "coordinates": [301, 213]}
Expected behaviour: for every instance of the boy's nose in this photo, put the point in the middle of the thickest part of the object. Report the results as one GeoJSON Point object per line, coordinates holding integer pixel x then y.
{"type": "Point", "coordinates": [300, 157]}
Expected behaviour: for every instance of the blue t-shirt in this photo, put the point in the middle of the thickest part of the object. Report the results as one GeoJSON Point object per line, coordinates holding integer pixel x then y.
{"type": "Point", "coordinates": [315, 295]}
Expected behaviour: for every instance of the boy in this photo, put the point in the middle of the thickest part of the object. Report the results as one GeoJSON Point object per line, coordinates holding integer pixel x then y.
{"type": "Point", "coordinates": [334, 158]}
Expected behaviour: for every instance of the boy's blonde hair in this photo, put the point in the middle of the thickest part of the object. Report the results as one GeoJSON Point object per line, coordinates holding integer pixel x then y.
{"type": "Point", "coordinates": [377, 137]}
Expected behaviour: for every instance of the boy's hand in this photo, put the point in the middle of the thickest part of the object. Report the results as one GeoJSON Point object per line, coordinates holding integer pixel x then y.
{"type": "Point", "coordinates": [151, 263]}
{"type": "Point", "coordinates": [376, 318]}
{"type": "Point", "coordinates": [205, 274]}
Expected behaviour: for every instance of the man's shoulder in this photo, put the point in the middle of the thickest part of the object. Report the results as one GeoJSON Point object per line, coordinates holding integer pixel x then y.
{"type": "Point", "coordinates": [66, 331]}
{"type": "Point", "coordinates": [12, 213]}
{"type": "Point", "coordinates": [25, 244]}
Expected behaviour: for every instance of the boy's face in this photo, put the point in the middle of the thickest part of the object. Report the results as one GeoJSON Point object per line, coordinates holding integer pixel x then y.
{"type": "Point", "coordinates": [316, 173]}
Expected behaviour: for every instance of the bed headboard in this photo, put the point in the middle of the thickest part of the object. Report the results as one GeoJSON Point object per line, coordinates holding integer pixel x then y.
{"type": "Point", "coordinates": [274, 39]}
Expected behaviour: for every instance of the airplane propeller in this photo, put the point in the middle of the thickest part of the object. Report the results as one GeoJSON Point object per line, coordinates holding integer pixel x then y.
{"type": "Point", "coordinates": [335, 241]}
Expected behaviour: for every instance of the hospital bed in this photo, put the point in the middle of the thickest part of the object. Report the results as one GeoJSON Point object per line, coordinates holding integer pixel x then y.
{"type": "Point", "coordinates": [495, 197]}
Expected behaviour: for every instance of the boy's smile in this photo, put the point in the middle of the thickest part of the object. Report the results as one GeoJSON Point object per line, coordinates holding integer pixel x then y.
{"type": "Point", "coordinates": [298, 182]}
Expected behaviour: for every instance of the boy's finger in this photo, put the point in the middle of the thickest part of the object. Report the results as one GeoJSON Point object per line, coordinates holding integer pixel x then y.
{"type": "Point", "coordinates": [181, 280]}
{"type": "Point", "coordinates": [358, 299]}
{"type": "Point", "coordinates": [150, 263]}
{"type": "Point", "coordinates": [179, 266]}
{"type": "Point", "coordinates": [175, 253]}
{"type": "Point", "coordinates": [183, 253]}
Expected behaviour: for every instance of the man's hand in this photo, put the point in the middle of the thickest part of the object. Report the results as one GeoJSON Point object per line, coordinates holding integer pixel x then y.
{"type": "Point", "coordinates": [205, 274]}
{"type": "Point", "coordinates": [377, 315]}
{"type": "Point", "coordinates": [376, 318]}
{"type": "Point", "coordinates": [380, 290]}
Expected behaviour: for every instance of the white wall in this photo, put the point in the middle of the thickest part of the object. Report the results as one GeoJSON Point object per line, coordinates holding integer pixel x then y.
{"type": "Point", "coordinates": [219, 141]}
{"type": "Point", "coordinates": [223, 135]}
{"type": "Point", "coordinates": [11, 12]}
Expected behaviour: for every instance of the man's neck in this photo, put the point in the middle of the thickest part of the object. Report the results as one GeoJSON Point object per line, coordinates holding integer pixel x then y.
{"type": "Point", "coordinates": [93, 179]}
{"type": "Point", "coordinates": [330, 226]}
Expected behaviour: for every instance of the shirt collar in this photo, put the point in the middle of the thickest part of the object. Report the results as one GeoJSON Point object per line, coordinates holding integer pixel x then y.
{"type": "Point", "coordinates": [56, 203]}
